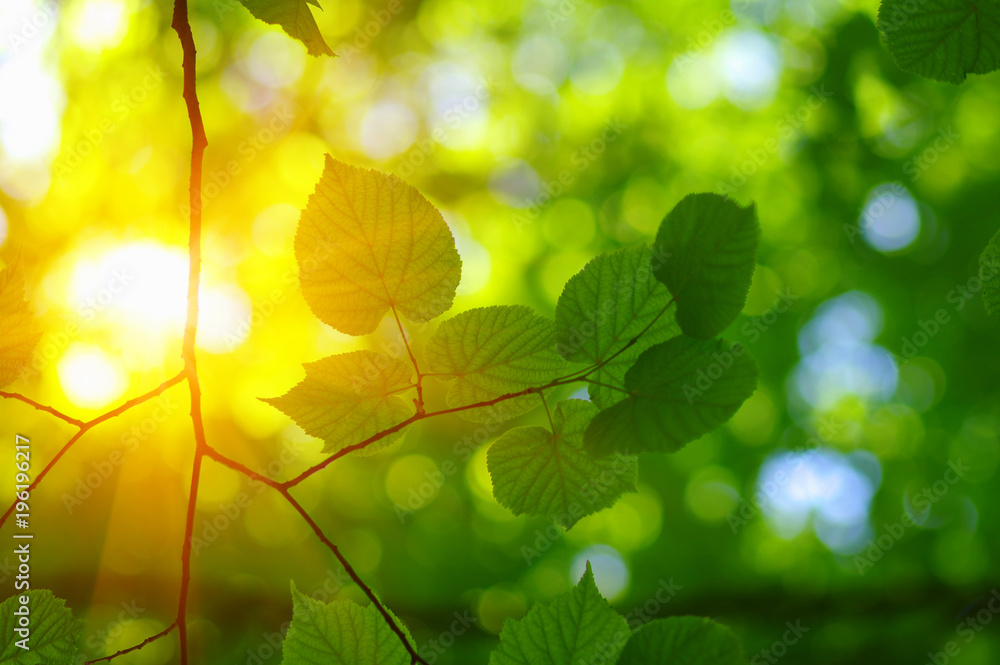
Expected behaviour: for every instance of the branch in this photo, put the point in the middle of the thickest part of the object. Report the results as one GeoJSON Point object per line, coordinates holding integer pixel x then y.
{"type": "Point", "coordinates": [148, 640]}
{"type": "Point", "coordinates": [87, 426]}
{"type": "Point", "coordinates": [199, 142]}
{"type": "Point", "coordinates": [42, 407]}
{"type": "Point", "coordinates": [284, 492]}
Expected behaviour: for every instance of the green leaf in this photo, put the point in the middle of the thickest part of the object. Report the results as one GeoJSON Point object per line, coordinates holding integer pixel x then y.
{"type": "Point", "coordinates": [606, 306]}
{"type": "Point", "coordinates": [942, 40]}
{"type": "Point", "coordinates": [347, 398]}
{"type": "Point", "coordinates": [495, 351]}
{"type": "Point", "coordinates": [538, 472]}
{"type": "Point", "coordinates": [340, 632]}
{"type": "Point", "coordinates": [687, 640]}
{"type": "Point", "coordinates": [680, 390]}
{"type": "Point", "coordinates": [576, 627]}
{"type": "Point", "coordinates": [294, 18]}
{"type": "Point", "coordinates": [989, 269]}
{"type": "Point", "coordinates": [368, 242]}
{"type": "Point", "coordinates": [20, 330]}
{"type": "Point", "coordinates": [710, 243]}
{"type": "Point", "coordinates": [53, 636]}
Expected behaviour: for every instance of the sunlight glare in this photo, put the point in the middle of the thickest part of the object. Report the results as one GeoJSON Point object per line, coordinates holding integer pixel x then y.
{"type": "Point", "coordinates": [90, 377]}
{"type": "Point", "coordinates": [98, 24]}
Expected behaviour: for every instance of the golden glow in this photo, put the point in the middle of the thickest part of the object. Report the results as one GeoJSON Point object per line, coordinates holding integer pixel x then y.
{"type": "Point", "coordinates": [98, 24]}
{"type": "Point", "coordinates": [90, 377]}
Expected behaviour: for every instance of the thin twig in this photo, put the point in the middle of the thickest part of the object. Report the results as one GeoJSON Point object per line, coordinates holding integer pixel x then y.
{"type": "Point", "coordinates": [148, 640]}
{"type": "Point", "coordinates": [41, 407]}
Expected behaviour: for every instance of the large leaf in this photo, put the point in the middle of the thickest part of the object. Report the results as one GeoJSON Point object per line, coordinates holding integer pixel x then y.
{"type": "Point", "coordinates": [368, 242]}
{"type": "Point", "coordinates": [347, 398]}
{"type": "Point", "coordinates": [710, 243]}
{"type": "Point", "coordinates": [54, 632]}
{"type": "Point", "coordinates": [576, 627]}
{"type": "Point", "coordinates": [614, 303]}
{"type": "Point", "coordinates": [687, 640]}
{"type": "Point", "coordinates": [340, 632]}
{"type": "Point", "coordinates": [680, 390]}
{"type": "Point", "coordinates": [19, 332]}
{"type": "Point", "coordinates": [494, 351]}
{"type": "Point", "coordinates": [989, 273]}
{"type": "Point", "coordinates": [294, 18]}
{"type": "Point", "coordinates": [538, 472]}
{"type": "Point", "coordinates": [942, 40]}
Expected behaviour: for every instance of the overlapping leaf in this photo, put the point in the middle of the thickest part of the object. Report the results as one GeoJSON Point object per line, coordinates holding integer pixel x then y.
{"type": "Point", "coordinates": [687, 640]}
{"type": "Point", "coordinates": [294, 18]}
{"type": "Point", "coordinates": [680, 390]}
{"type": "Point", "coordinates": [989, 273]}
{"type": "Point", "coordinates": [538, 472]}
{"type": "Point", "coordinates": [711, 243]}
{"type": "Point", "coordinates": [576, 627]}
{"type": "Point", "coordinates": [20, 330]}
{"type": "Point", "coordinates": [944, 40]}
{"type": "Point", "coordinates": [340, 632]}
{"type": "Point", "coordinates": [611, 302]}
{"type": "Point", "coordinates": [54, 632]}
{"type": "Point", "coordinates": [495, 351]}
{"type": "Point", "coordinates": [347, 398]}
{"type": "Point", "coordinates": [367, 242]}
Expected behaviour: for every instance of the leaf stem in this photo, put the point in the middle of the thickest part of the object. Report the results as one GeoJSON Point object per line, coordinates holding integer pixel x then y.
{"type": "Point", "coordinates": [413, 359]}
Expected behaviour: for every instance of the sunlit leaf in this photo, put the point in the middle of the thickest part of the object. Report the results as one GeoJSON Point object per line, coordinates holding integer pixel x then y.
{"type": "Point", "coordinates": [347, 398]}
{"type": "Point", "coordinates": [340, 632]}
{"type": "Point", "coordinates": [538, 472]}
{"type": "Point", "coordinates": [709, 243]}
{"type": "Point", "coordinates": [687, 640]}
{"type": "Point", "coordinates": [494, 351]}
{"type": "Point", "coordinates": [942, 40]}
{"type": "Point", "coordinates": [294, 17]}
{"type": "Point", "coordinates": [679, 390]}
{"type": "Point", "coordinates": [20, 331]}
{"type": "Point", "coordinates": [607, 305]}
{"type": "Point", "coordinates": [576, 627]}
{"type": "Point", "coordinates": [368, 242]}
{"type": "Point", "coordinates": [989, 272]}
{"type": "Point", "coordinates": [53, 635]}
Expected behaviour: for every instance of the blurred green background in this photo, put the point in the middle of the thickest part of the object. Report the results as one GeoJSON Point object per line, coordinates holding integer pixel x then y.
{"type": "Point", "coordinates": [546, 132]}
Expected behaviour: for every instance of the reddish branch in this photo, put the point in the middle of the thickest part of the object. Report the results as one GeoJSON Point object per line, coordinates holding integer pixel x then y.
{"type": "Point", "coordinates": [148, 640]}
{"type": "Point", "coordinates": [41, 407]}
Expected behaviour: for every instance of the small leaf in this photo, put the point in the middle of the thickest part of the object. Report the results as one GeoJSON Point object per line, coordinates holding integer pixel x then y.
{"type": "Point", "coordinates": [680, 390]}
{"type": "Point", "coordinates": [294, 18]}
{"type": "Point", "coordinates": [340, 632]}
{"type": "Point", "coordinates": [495, 351]}
{"type": "Point", "coordinates": [537, 472]}
{"type": "Point", "coordinates": [613, 300]}
{"type": "Point", "coordinates": [54, 632]}
{"type": "Point", "coordinates": [710, 242]}
{"type": "Point", "coordinates": [688, 640]}
{"type": "Point", "coordinates": [575, 627]}
{"type": "Point", "coordinates": [943, 40]}
{"type": "Point", "coordinates": [368, 242]}
{"type": "Point", "coordinates": [20, 330]}
{"type": "Point", "coordinates": [347, 398]}
{"type": "Point", "coordinates": [989, 271]}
